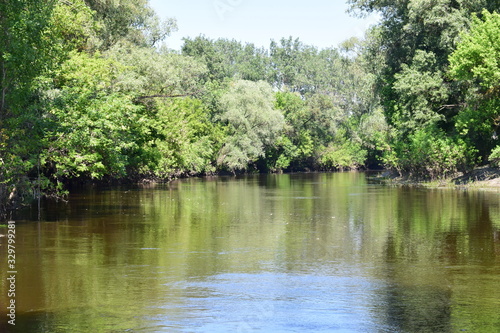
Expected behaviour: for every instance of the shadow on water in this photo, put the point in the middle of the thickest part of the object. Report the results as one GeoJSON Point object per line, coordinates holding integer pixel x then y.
{"type": "Point", "coordinates": [419, 309]}
{"type": "Point", "coordinates": [414, 301]}
{"type": "Point", "coordinates": [442, 283]}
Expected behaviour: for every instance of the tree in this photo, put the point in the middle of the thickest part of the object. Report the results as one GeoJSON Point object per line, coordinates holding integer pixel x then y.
{"type": "Point", "coordinates": [36, 38]}
{"type": "Point", "coordinates": [226, 58]}
{"type": "Point", "coordinates": [152, 73]}
{"type": "Point", "coordinates": [204, 49]}
{"type": "Point", "coordinates": [254, 123]}
{"type": "Point", "coordinates": [186, 140]}
{"type": "Point", "coordinates": [476, 57]}
{"type": "Point", "coordinates": [25, 53]}
{"type": "Point", "coordinates": [253, 63]}
{"type": "Point", "coordinates": [421, 93]}
{"type": "Point", "coordinates": [95, 129]}
{"type": "Point", "coordinates": [415, 39]}
{"type": "Point", "coordinates": [292, 65]}
{"type": "Point", "coordinates": [294, 148]}
{"type": "Point", "coordinates": [416, 36]}
{"type": "Point", "coordinates": [130, 20]}
{"type": "Point", "coordinates": [476, 63]}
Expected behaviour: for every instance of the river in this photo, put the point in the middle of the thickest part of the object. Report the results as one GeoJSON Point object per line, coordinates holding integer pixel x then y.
{"type": "Point", "coordinates": [319, 252]}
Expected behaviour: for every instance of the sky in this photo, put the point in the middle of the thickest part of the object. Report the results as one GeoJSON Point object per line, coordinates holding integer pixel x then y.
{"type": "Point", "coordinates": [322, 23]}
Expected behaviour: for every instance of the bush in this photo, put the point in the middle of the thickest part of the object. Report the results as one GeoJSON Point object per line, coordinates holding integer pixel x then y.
{"type": "Point", "coordinates": [343, 156]}
{"type": "Point", "coordinates": [495, 156]}
{"type": "Point", "coordinates": [186, 141]}
{"type": "Point", "coordinates": [430, 154]}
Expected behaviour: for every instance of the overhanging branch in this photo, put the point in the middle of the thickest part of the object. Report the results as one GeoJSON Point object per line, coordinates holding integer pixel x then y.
{"type": "Point", "coordinates": [166, 96]}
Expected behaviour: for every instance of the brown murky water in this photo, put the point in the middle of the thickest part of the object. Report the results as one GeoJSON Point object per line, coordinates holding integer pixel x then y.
{"type": "Point", "coordinates": [277, 253]}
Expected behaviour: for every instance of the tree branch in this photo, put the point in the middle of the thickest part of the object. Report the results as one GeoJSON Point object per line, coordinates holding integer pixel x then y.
{"type": "Point", "coordinates": [165, 96]}
{"type": "Point", "coordinates": [450, 106]}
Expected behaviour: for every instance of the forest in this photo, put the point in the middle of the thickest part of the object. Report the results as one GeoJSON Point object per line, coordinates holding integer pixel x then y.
{"type": "Point", "coordinates": [89, 91]}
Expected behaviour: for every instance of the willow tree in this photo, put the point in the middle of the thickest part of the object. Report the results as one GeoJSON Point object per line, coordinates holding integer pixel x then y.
{"type": "Point", "coordinates": [130, 20]}
{"type": "Point", "coordinates": [254, 123]}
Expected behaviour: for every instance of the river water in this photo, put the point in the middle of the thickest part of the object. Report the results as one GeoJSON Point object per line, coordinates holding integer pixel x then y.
{"type": "Point", "coordinates": [321, 252]}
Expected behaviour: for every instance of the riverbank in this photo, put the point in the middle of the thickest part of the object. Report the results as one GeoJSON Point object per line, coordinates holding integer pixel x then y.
{"type": "Point", "coordinates": [485, 177]}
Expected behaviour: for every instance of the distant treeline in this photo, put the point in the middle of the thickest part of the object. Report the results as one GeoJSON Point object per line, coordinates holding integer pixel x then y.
{"type": "Point", "coordinates": [88, 92]}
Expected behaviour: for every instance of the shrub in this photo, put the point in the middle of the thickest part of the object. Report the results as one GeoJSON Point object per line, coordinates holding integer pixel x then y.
{"type": "Point", "coordinates": [495, 156]}
{"type": "Point", "coordinates": [430, 153]}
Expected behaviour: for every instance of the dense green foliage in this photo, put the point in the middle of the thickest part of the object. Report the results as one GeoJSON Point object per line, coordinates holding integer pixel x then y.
{"type": "Point", "coordinates": [476, 62]}
{"type": "Point", "coordinates": [87, 92]}
{"type": "Point", "coordinates": [253, 123]}
{"type": "Point", "coordinates": [433, 63]}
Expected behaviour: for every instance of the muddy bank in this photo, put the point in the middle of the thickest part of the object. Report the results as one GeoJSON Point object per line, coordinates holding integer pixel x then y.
{"type": "Point", "coordinates": [480, 177]}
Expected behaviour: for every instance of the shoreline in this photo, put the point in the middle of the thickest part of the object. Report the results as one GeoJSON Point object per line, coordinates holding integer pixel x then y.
{"type": "Point", "coordinates": [483, 178]}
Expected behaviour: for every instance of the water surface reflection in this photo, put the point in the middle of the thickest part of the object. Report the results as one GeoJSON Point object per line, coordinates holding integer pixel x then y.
{"type": "Point", "coordinates": [279, 253]}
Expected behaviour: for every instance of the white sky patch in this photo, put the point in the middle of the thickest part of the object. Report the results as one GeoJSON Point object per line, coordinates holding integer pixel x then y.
{"type": "Point", "coordinates": [322, 23]}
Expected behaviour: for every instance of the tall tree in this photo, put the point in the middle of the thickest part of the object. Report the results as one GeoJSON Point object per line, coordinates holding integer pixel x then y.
{"type": "Point", "coordinates": [254, 123]}
{"type": "Point", "coordinates": [157, 73]}
{"type": "Point", "coordinates": [36, 38]}
{"type": "Point", "coordinates": [25, 52]}
{"type": "Point", "coordinates": [131, 20]}
{"type": "Point", "coordinates": [292, 64]}
{"type": "Point", "coordinates": [476, 63]}
{"type": "Point", "coordinates": [415, 38]}
{"type": "Point", "coordinates": [229, 58]}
